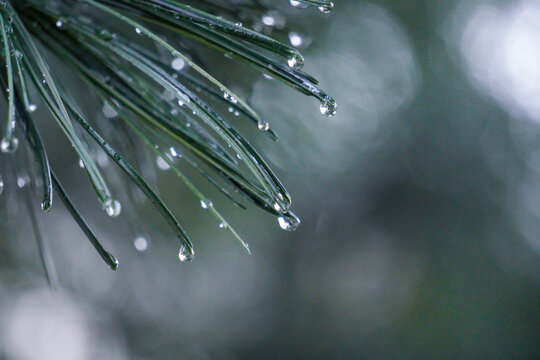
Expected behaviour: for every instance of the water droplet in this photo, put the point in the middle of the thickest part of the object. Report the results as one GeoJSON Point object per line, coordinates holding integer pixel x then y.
{"type": "Point", "coordinates": [268, 20]}
{"type": "Point", "coordinates": [178, 64]}
{"type": "Point", "coordinates": [174, 152]}
{"type": "Point", "coordinates": [104, 34]}
{"type": "Point", "coordinates": [326, 9]}
{"type": "Point", "coordinates": [296, 61]}
{"type": "Point", "coordinates": [81, 164]}
{"type": "Point", "coordinates": [1, 185]}
{"type": "Point", "coordinates": [230, 98]}
{"type": "Point", "coordinates": [328, 106]}
{"type": "Point", "coordinates": [60, 22]}
{"type": "Point", "coordinates": [102, 159]}
{"type": "Point", "coordinates": [112, 207]}
{"type": "Point", "coordinates": [140, 243]}
{"type": "Point", "coordinates": [31, 108]}
{"type": "Point", "coordinates": [9, 145]}
{"type": "Point", "coordinates": [46, 205]}
{"type": "Point", "coordinates": [295, 39]}
{"type": "Point", "coordinates": [162, 164]}
{"type": "Point", "coordinates": [222, 225]}
{"type": "Point", "coordinates": [289, 221]}
{"type": "Point", "coordinates": [108, 111]}
{"type": "Point", "coordinates": [263, 126]}
{"type": "Point", "coordinates": [185, 254]}
{"type": "Point", "coordinates": [205, 204]}
{"type": "Point", "coordinates": [114, 262]}
{"type": "Point", "coordinates": [22, 181]}
{"type": "Point", "coordinates": [138, 31]}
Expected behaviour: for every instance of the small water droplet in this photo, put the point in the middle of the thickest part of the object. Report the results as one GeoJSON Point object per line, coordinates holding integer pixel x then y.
{"type": "Point", "coordinates": [46, 205]}
{"type": "Point", "coordinates": [1, 185]}
{"type": "Point", "coordinates": [102, 159]}
{"type": "Point", "coordinates": [326, 9]}
{"type": "Point", "coordinates": [112, 207]}
{"type": "Point", "coordinates": [268, 20]}
{"type": "Point", "coordinates": [23, 180]}
{"type": "Point", "coordinates": [174, 152]}
{"type": "Point", "coordinates": [60, 22]}
{"type": "Point", "coordinates": [140, 243]}
{"type": "Point", "coordinates": [185, 254]}
{"type": "Point", "coordinates": [162, 164]}
{"type": "Point", "coordinates": [138, 31]}
{"type": "Point", "coordinates": [108, 111]}
{"type": "Point", "coordinates": [296, 61]}
{"type": "Point", "coordinates": [178, 64]}
{"type": "Point", "coordinates": [230, 98]}
{"type": "Point", "coordinates": [114, 262]}
{"type": "Point", "coordinates": [9, 145]}
{"type": "Point", "coordinates": [31, 108]}
{"type": "Point", "coordinates": [81, 164]}
{"type": "Point", "coordinates": [205, 204]}
{"type": "Point", "coordinates": [104, 34]}
{"type": "Point", "coordinates": [289, 221]}
{"type": "Point", "coordinates": [263, 126]}
{"type": "Point", "coordinates": [222, 225]}
{"type": "Point", "coordinates": [295, 39]}
{"type": "Point", "coordinates": [328, 106]}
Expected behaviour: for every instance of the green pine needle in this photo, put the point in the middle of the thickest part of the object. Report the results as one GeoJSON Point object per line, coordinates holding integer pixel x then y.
{"type": "Point", "coordinates": [106, 43]}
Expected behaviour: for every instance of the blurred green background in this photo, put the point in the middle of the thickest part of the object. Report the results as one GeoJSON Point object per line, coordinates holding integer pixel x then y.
{"type": "Point", "coordinates": [420, 207]}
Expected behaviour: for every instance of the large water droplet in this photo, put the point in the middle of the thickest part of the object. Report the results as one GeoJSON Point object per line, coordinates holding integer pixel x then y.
{"type": "Point", "coordinates": [186, 254]}
{"type": "Point", "coordinates": [9, 145]}
{"type": "Point", "coordinates": [328, 106]}
{"type": "Point", "coordinates": [112, 207]}
{"type": "Point", "coordinates": [289, 221]}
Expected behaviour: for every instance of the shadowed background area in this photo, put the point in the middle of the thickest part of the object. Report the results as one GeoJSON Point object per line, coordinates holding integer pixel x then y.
{"type": "Point", "coordinates": [419, 200]}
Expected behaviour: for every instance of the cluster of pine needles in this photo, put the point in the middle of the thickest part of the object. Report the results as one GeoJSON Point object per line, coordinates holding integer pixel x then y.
{"type": "Point", "coordinates": [106, 44]}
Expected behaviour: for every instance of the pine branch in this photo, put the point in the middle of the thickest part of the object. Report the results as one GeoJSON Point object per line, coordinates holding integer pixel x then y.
{"type": "Point", "coordinates": [105, 42]}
